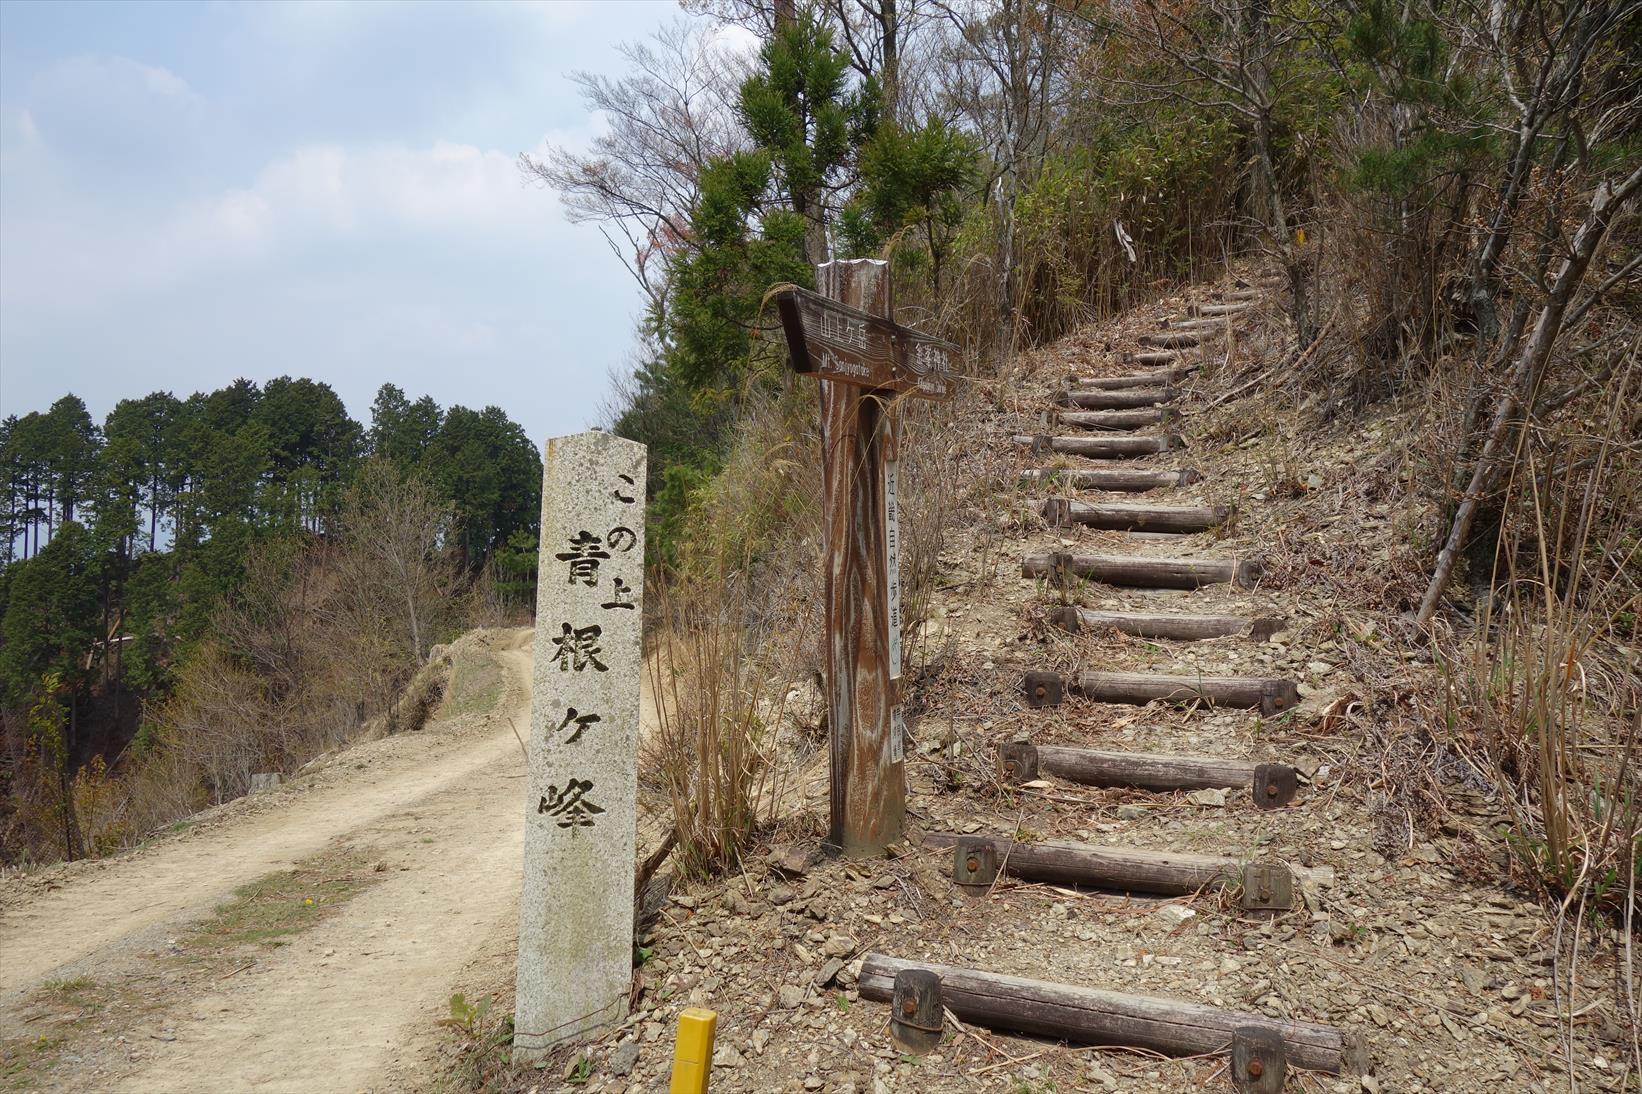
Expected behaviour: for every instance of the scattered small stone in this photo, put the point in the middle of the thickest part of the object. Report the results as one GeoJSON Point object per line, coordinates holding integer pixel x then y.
{"type": "Point", "coordinates": [727, 1056]}
{"type": "Point", "coordinates": [791, 995]}
{"type": "Point", "coordinates": [624, 1058]}
{"type": "Point", "coordinates": [1131, 812]}
{"type": "Point", "coordinates": [1215, 796]}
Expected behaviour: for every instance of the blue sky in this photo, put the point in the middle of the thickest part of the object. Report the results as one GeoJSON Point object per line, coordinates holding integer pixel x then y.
{"type": "Point", "coordinates": [198, 191]}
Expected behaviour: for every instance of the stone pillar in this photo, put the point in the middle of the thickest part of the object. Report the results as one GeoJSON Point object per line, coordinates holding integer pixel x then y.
{"type": "Point", "coordinates": [576, 916]}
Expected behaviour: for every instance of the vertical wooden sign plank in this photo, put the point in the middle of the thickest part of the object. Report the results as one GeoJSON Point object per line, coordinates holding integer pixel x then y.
{"type": "Point", "coordinates": [868, 797]}
{"type": "Point", "coordinates": [576, 914]}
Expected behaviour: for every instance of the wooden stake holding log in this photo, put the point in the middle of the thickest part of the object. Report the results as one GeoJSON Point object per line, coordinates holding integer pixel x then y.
{"type": "Point", "coordinates": [1116, 480]}
{"type": "Point", "coordinates": [1096, 1017]}
{"type": "Point", "coordinates": [1271, 786]}
{"type": "Point", "coordinates": [1268, 695]}
{"type": "Point", "coordinates": [1146, 573]}
{"type": "Point", "coordinates": [1115, 400]}
{"type": "Point", "coordinates": [1185, 628]}
{"type": "Point", "coordinates": [1100, 448]}
{"type": "Point", "coordinates": [1117, 419]}
{"type": "Point", "coordinates": [1125, 869]}
{"type": "Point", "coordinates": [1180, 519]}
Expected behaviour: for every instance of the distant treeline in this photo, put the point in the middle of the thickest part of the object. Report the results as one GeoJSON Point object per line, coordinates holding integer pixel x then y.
{"type": "Point", "coordinates": [123, 542]}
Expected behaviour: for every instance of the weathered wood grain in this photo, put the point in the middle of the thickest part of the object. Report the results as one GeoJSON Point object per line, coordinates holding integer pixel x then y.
{"type": "Point", "coordinates": [1157, 378]}
{"type": "Point", "coordinates": [1117, 480]}
{"type": "Point", "coordinates": [1065, 862]}
{"type": "Point", "coordinates": [1116, 420]}
{"type": "Point", "coordinates": [1115, 400]}
{"type": "Point", "coordinates": [1219, 309]}
{"type": "Point", "coordinates": [1169, 340]}
{"type": "Point", "coordinates": [1180, 626]}
{"type": "Point", "coordinates": [1160, 357]}
{"type": "Point", "coordinates": [1097, 1017]}
{"type": "Point", "coordinates": [1150, 573]}
{"type": "Point", "coordinates": [1181, 519]}
{"type": "Point", "coordinates": [1144, 770]}
{"type": "Point", "coordinates": [1269, 695]}
{"type": "Point", "coordinates": [1101, 448]}
{"type": "Point", "coordinates": [868, 787]}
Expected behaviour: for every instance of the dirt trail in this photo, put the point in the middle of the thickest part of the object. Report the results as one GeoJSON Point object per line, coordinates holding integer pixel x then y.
{"type": "Point", "coordinates": [334, 1009]}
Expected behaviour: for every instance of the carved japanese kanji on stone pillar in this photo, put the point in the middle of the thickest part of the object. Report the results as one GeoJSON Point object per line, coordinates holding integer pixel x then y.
{"type": "Point", "coordinates": [845, 336]}
{"type": "Point", "coordinates": [576, 918]}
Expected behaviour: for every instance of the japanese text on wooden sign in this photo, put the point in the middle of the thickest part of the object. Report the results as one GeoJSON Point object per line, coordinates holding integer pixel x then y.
{"type": "Point", "coordinates": [837, 342]}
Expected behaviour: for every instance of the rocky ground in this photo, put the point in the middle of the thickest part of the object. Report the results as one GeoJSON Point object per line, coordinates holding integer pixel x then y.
{"type": "Point", "coordinates": [1406, 936]}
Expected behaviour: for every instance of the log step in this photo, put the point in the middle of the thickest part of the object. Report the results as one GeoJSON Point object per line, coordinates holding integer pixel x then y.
{"type": "Point", "coordinates": [1215, 327]}
{"type": "Point", "coordinates": [1181, 519]}
{"type": "Point", "coordinates": [1220, 309]}
{"type": "Point", "coordinates": [1159, 357]}
{"type": "Point", "coordinates": [1065, 862]}
{"type": "Point", "coordinates": [1100, 448]}
{"type": "Point", "coordinates": [1159, 378]}
{"type": "Point", "coordinates": [1117, 419]}
{"type": "Point", "coordinates": [1169, 339]}
{"type": "Point", "coordinates": [1123, 481]}
{"type": "Point", "coordinates": [1188, 628]}
{"type": "Point", "coordinates": [1115, 400]}
{"type": "Point", "coordinates": [1063, 1012]}
{"type": "Point", "coordinates": [1268, 695]}
{"type": "Point", "coordinates": [1271, 786]}
{"type": "Point", "coordinates": [1143, 572]}
{"type": "Point", "coordinates": [1243, 295]}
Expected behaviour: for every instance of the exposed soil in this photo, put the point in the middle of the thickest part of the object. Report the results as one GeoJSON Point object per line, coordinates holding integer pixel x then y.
{"type": "Point", "coordinates": [436, 815]}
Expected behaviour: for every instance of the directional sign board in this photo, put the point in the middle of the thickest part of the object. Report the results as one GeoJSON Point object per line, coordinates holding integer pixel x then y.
{"type": "Point", "coordinates": [834, 341]}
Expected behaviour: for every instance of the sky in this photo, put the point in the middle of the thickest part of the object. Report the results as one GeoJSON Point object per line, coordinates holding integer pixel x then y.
{"type": "Point", "coordinates": [194, 192]}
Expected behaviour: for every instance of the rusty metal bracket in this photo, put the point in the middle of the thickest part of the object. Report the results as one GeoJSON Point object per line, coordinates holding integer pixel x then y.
{"type": "Point", "coordinates": [916, 1016]}
{"type": "Point", "coordinates": [974, 863]}
{"type": "Point", "coordinates": [1259, 1064]}
{"type": "Point", "coordinates": [1018, 760]}
{"type": "Point", "coordinates": [1044, 689]}
{"type": "Point", "coordinates": [1267, 888]}
{"type": "Point", "coordinates": [1275, 785]}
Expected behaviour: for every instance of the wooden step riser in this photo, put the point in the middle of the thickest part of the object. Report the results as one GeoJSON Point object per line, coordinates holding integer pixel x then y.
{"type": "Point", "coordinates": [1116, 420]}
{"type": "Point", "coordinates": [1180, 340]}
{"type": "Point", "coordinates": [1269, 696]}
{"type": "Point", "coordinates": [1161, 378]}
{"type": "Point", "coordinates": [1061, 1012]}
{"type": "Point", "coordinates": [1271, 786]}
{"type": "Point", "coordinates": [1144, 573]}
{"type": "Point", "coordinates": [1138, 399]}
{"type": "Point", "coordinates": [1178, 519]}
{"type": "Point", "coordinates": [1180, 628]}
{"type": "Point", "coordinates": [1100, 448]}
{"type": "Point", "coordinates": [1161, 357]}
{"type": "Point", "coordinates": [1115, 481]}
{"type": "Point", "coordinates": [1062, 862]}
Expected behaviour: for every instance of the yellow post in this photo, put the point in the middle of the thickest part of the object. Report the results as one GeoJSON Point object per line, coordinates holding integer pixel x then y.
{"type": "Point", "coordinates": [693, 1054]}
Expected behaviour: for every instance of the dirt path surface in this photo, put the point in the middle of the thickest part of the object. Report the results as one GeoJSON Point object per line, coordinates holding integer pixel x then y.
{"type": "Point", "coordinates": [434, 814]}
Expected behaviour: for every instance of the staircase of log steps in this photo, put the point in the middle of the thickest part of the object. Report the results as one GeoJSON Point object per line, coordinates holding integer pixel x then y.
{"type": "Point", "coordinates": [1099, 423]}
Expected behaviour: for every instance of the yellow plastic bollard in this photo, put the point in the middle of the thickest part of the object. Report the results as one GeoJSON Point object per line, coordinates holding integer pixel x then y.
{"type": "Point", "coordinates": [693, 1054]}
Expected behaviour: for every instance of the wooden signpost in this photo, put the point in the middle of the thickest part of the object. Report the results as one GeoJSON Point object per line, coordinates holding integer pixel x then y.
{"type": "Point", "coordinates": [844, 336]}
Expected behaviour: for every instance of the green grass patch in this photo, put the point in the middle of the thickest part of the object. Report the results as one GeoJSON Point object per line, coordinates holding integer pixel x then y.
{"type": "Point", "coordinates": [272, 909]}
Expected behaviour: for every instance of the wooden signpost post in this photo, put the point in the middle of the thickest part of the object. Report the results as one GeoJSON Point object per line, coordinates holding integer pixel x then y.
{"type": "Point", "coordinates": [845, 337]}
